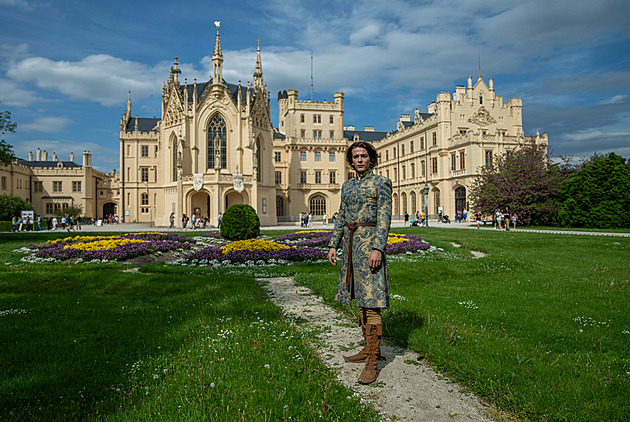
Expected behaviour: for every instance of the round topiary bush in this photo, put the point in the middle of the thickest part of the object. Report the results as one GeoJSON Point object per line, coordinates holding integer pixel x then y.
{"type": "Point", "coordinates": [240, 222]}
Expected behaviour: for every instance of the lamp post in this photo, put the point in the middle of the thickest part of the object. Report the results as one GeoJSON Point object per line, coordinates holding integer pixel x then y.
{"type": "Point", "coordinates": [426, 204]}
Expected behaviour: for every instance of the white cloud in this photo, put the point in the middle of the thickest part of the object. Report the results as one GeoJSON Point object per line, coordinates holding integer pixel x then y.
{"type": "Point", "coordinates": [12, 95]}
{"type": "Point", "coordinates": [46, 125]}
{"type": "Point", "coordinates": [100, 78]}
{"type": "Point", "coordinates": [22, 4]}
{"type": "Point", "coordinates": [106, 157]}
{"type": "Point", "coordinates": [616, 99]}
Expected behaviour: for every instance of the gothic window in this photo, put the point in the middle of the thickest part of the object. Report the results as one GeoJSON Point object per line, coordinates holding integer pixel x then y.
{"type": "Point", "coordinates": [302, 177]}
{"type": "Point", "coordinates": [318, 156]}
{"type": "Point", "coordinates": [434, 138]}
{"type": "Point", "coordinates": [277, 157]}
{"type": "Point", "coordinates": [462, 161]}
{"type": "Point", "coordinates": [434, 165]}
{"type": "Point", "coordinates": [453, 162]}
{"type": "Point", "coordinates": [318, 176]}
{"type": "Point", "coordinates": [278, 177]}
{"type": "Point", "coordinates": [332, 120]}
{"type": "Point", "coordinates": [301, 118]}
{"type": "Point", "coordinates": [414, 206]}
{"type": "Point", "coordinates": [403, 198]}
{"type": "Point", "coordinates": [331, 157]}
{"type": "Point", "coordinates": [317, 205]}
{"type": "Point", "coordinates": [333, 178]}
{"type": "Point", "coordinates": [145, 150]}
{"type": "Point", "coordinates": [302, 155]}
{"type": "Point", "coordinates": [144, 174]}
{"type": "Point", "coordinates": [217, 142]}
{"type": "Point", "coordinates": [174, 158]}
{"type": "Point", "coordinates": [259, 160]}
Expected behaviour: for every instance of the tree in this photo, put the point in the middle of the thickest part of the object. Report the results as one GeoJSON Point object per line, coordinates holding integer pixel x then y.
{"type": "Point", "coordinates": [524, 181]}
{"type": "Point", "coordinates": [6, 150]}
{"type": "Point", "coordinates": [10, 206]}
{"type": "Point", "coordinates": [598, 196]}
{"type": "Point", "coordinates": [70, 211]}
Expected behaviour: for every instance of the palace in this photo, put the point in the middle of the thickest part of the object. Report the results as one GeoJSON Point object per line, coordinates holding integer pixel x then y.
{"type": "Point", "coordinates": [214, 146]}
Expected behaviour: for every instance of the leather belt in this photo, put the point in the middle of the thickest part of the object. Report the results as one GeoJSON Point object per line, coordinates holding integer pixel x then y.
{"type": "Point", "coordinates": [353, 227]}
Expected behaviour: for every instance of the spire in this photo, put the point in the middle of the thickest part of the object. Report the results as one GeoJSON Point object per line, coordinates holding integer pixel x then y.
{"type": "Point", "coordinates": [217, 59]}
{"type": "Point", "coordinates": [258, 73]}
{"type": "Point", "coordinates": [175, 70]}
{"type": "Point", "coordinates": [128, 111]}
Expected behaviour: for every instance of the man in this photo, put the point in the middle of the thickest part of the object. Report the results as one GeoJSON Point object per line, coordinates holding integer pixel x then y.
{"type": "Point", "coordinates": [363, 224]}
{"type": "Point", "coordinates": [171, 219]}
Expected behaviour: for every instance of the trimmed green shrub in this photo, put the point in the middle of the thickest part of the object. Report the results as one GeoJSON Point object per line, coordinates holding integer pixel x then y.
{"type": "Point", "coordinates": [240, 222]}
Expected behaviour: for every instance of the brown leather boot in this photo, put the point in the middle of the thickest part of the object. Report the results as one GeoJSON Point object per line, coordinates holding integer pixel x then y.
{"type": "Point", "coordinates": [373, 340]}
{"type": "Point", "coordinates": [362, 355]}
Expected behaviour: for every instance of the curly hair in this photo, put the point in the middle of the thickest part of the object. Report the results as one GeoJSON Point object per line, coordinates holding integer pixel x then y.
{"type": "Point", "coordinates": [370, 149]}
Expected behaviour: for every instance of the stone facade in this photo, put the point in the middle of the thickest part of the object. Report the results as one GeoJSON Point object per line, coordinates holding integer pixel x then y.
{"type": "Point", "coordinates": [214, 146]}
{"type": "Point", "coordinates": [51, 185]}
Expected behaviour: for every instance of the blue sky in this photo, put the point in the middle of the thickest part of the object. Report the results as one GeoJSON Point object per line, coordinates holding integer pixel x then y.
{"type": "Point", "coordinates": [66, 66]}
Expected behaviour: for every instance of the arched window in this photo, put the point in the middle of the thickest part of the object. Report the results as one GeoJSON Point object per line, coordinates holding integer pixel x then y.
{"type": "Point", "coordinates": [217, 142]}
{"type": "Point", "coordinates": [317, 205]}
{"type": "Point", "coordinates": [396, 204]}
{"type": "Point", "coordinates": [414, 205]}
{"type": "Point", "coordinates": [460, 198]}
{"type": "Point", "coordinates": [403, 198]}
{"type": "Point", "coordinates": [436, 200]}
{"type": "Point", "coordinates": [259, 160]}
{"type": "Point", "coordinates": [174, 157]}
{"type": "Point", "coordinates": [279, 206]}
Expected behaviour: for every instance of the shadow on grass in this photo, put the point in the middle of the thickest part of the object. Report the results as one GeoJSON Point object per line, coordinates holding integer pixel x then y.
{"type": "Point", "coordinates": [399, 325]}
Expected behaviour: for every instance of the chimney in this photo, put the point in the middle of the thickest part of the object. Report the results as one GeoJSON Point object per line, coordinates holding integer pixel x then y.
{"type": "Point", "coordinates": [30, 156]}
{"type": "Point", "coordinates": [72, 157]}
{"type": "Point", "coordinates": [87, 159]}
{"type": "Point", "coordinates": [405, 118]}
{"type": "Point", "coordinates": [45, 155]}
{"type": "Point", "coordinates": [369, 128]}
{"type": "Point", "coordinates": [39, 154]}
{"type": "Point", "coordinates": [54, 157]}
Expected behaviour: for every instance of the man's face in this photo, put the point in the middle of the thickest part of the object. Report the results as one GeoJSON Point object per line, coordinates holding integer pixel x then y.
{"type": "Point", "coordinates": [360, 160]}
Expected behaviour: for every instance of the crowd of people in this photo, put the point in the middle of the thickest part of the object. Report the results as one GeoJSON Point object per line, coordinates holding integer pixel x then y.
{"type": "Point", "coordinates": [51, 223]}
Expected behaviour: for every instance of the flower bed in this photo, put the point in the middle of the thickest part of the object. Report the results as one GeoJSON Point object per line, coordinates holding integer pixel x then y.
{"type": "Point", "coordinates": [254, 251]}
{"type": "Point", "coordinates": [111, 248]}
{"type": "Point", "coordinates": [396, 243]}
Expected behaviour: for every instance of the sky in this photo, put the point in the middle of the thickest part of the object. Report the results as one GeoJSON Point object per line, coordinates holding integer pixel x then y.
{"type": "Point", "coordinates": [67, 66]}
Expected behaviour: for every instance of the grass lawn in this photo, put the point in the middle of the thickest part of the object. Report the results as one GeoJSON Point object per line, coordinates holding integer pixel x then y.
{"type": "Point", "coordinates": [86, 341]}
{"type": "Point", "coordinates": [540, 326]}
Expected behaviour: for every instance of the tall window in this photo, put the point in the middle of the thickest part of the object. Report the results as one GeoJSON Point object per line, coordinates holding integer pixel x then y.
{"type": "Point", "coordinates": [421, 142]}
{"type": "Point", "coordinates": [259, 161]}
{"type": "Point", "coordinates": [411, 146]}
{"type": "Point", "coordinates": [76, 186]}
{"type": "Point", "coordinates": [303, 133]}
{"type": "Point", "coordinates": [49, 208]}
{"type": "Point", "coordinates": [217, 142]}
{"type": "Point", "coordinates": [434, 167]}
{"type": "Point", "coordinates": [331, 157]}
{"type": "Point", "coordinates": [318, 156]}
{"type": "Point", "coordinates": [488, 158]}
{"type": "Point", "coordinates": [57, 187]}
{"type": "Point", "coordinates": [424, 168]}
{"type": "Point", "coordinates": [332, 120]}
{"type": "Point", "coordinates": [404, 173]}
{"type": "Point", "coordinates": [333, 177]}
{"type": "Point", "coordinates": [37, 186]}
{"type": "Point", "coordinates": [144, 201]}
{"type": "Point", "coordinates": [302, 155]}
{"type": "Point", "coordinates": [436, 200]}
{"type": "Point", "coordinates": [301, 118]}
{"type": "Point", "coordinates": [144, 150]}
{"type": "Point", "coordinates": [144, 174]}
{"type": "Point", "coordinates": [453, 162]}
{"type": "Point", "coordinates": [277, 157]}
{"type": "Point", "coordinates": [414, 206]}
{"type": "Point", "coordinates": [462, 161]}
{"type": "Point", "coordinates": [318, 176]}
{"type": "Point", "coordinates": [317, 118]}
{"type": "Point", "coordinates": [317, 205]}
{"type": "Point", "coordinates": [174, 158]}
{"type": "Point", "coordinates": [332, 134]}
{"type": "Point", "coordinates": [317, 134]}
{"type": "Point", "coordinates": [279, 206]}
{"type": "Point", "coordinates": [302, 176]}
{"type": "Point", "coordinates": [403, 198]}
{"type": "Point", "coordinates": [413, 171]}
{"type": "Point", "coordinates": [434, 138]}
{"type": "Point", "coordinates": [278, 177]}
{"type": "Point", "coordinates": [402, 149]}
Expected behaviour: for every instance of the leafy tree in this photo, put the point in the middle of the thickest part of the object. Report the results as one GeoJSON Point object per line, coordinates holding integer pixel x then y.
{"type": "Point", "coordinates": [6, 150]}
{"type": "Point", "coordinates": [598, 196]}
{"type": "Point", "coordinates": [10, 206]}
{"type": "Point", "coordinates": [71, 210]}
{"type": "Point", "coordinates": [524, 181]}
{"type": "Point", "coordinates": [240, 222]}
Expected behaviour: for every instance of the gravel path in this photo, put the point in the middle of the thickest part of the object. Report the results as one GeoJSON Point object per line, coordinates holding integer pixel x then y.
{"type": "Point", "coordinates": [407, 389]}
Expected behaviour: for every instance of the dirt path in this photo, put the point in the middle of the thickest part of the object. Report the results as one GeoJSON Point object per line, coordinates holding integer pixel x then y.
{"type": "Point", "coordinates": [406, 389]}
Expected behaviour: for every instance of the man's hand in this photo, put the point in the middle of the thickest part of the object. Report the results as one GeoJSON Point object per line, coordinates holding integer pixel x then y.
{"type": "Point", "coordinates": [332, 256]}
{"type": "Point", "coordinates": [375, 259]}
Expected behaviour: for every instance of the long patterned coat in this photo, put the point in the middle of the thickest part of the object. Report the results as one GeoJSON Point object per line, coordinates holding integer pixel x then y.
{"type": "Point", "coordinates": [364, 200]}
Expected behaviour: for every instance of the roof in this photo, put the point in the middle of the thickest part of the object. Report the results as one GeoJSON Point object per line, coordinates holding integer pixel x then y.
{"type": "Point", "coordinates": [201, 87]}
{"type": "Point", "coordinates": [145, 124]}
{"type": "Point", "coordinates": [42, 164]}
{"type": "Point", "coordinates": [367, 136]}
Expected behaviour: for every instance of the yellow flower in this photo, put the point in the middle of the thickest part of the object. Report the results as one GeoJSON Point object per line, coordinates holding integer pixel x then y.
{"type": "Point", "coordinates": [396, 238]}
{"type": "Point", "coordinates": [251, 245]}
{"type": "Point", "coordinates": [313, 231]}
{"type": "Point", "coordinates": [105, 244]}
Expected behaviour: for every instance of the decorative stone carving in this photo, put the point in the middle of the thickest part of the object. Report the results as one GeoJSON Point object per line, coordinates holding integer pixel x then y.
{"type": "Point", "coordinates": [482, 117]}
